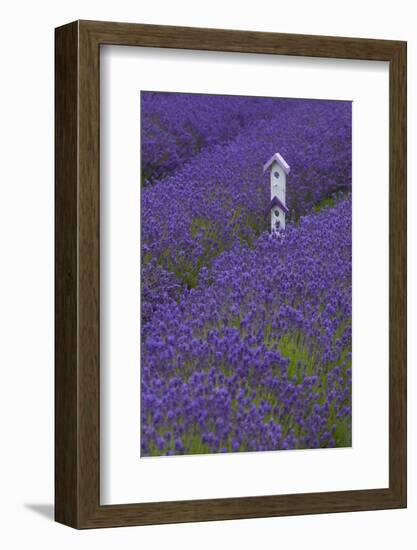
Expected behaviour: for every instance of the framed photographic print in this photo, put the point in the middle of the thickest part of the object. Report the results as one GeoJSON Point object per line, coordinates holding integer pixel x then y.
{"type": "Point", "coordinates": [230, 274]}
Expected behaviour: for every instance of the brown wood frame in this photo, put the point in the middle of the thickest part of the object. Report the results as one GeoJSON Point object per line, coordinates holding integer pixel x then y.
{"type": "Point", "coordinates": [77, 360]}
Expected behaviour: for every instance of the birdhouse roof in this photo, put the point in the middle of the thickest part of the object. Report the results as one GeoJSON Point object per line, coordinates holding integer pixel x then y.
{"type": "Point", "coordinates": [276, 202]}
{"type": "Point", "coordinates": [277, 158]}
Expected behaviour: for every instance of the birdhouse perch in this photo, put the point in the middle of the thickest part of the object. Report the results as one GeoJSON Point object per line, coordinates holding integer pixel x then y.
{"type": "Point", "coordinates": [279, 170]}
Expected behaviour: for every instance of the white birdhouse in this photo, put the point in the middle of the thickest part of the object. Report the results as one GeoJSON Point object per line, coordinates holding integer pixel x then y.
{"type": "Point", "coordinates": [278, 210]}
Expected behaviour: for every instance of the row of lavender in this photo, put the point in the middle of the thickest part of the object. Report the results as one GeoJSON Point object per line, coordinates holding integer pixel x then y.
{"type": "Point", "coordinates": [176, 127]}
{"type": "Point", "coordinates": [257, 357]}
{"type": "Point", "coordinates": [246, 339]}
{"type": "Point", "coordinates": [220, 195]}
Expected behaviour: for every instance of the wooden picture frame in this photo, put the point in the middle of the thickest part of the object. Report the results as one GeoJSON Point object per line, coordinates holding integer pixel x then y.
{"type": "Point", "coordinates": [77, 374]}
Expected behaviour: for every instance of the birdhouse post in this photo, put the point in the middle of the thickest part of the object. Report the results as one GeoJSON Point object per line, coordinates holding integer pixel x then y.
{"type": "Point", "coordinates": [278, 210]}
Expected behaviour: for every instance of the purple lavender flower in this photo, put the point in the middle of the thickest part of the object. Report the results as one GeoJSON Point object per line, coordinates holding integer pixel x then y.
{"type": "Point", "coordinates": [246, 337]}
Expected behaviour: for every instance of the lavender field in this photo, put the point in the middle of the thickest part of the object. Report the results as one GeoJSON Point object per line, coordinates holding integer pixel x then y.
{"type": "Point", "coordinates": [245, 334]}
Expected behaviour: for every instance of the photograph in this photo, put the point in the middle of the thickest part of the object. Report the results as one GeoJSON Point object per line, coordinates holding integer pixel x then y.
{"type": "Point", "coordinates": [246, 273]}
{"type": "Point", "coordinates": [208, 267]}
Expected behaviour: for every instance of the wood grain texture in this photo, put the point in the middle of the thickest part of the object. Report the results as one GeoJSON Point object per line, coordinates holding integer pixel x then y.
{"type": "Point", "coordinates": [66, 237]}
{"type": "Point", "coordinates": [78, 285]}
{"type": "Point", "coordinates": [398, 274]}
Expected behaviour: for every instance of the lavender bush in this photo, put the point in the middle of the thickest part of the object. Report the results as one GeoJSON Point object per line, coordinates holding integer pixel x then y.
{"type": "Point", "coordinates": [246, 337]}
{"type": "Point", "coordinates": [176, 127]}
